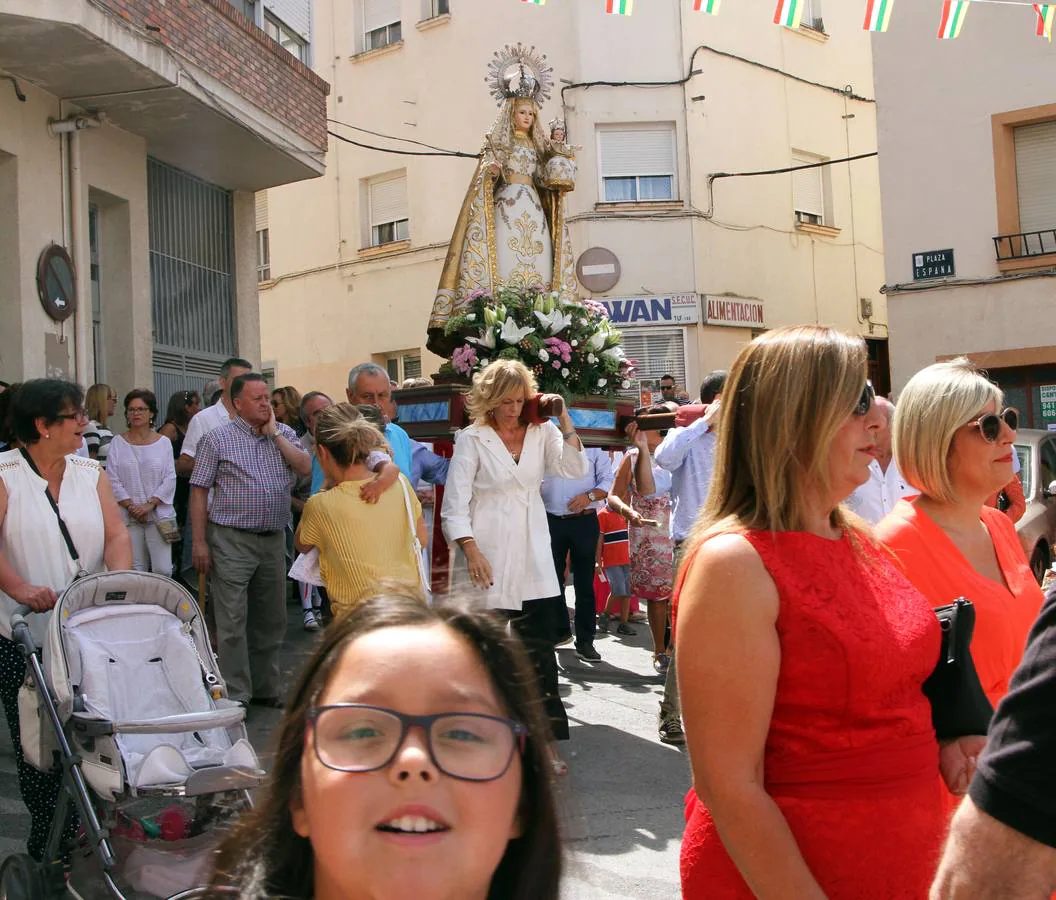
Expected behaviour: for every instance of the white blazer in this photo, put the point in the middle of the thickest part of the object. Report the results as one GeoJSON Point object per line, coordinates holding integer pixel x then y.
{"type": "Point", "coordinates": [496, 501]}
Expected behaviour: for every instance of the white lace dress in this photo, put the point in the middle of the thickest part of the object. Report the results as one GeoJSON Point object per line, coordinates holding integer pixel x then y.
{"type": "Point", "coordinates": [523, 248]}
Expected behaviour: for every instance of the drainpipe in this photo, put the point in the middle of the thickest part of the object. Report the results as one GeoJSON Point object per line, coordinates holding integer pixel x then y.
{"type": "Point", "coordinates": [69, 130]}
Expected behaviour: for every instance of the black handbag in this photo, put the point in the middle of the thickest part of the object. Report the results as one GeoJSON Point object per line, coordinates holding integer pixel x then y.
{"type": "Point", "coordinates": [959, 705]}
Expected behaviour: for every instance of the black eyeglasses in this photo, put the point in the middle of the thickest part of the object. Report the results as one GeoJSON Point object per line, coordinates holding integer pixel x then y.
{"type": "Point", "coordinates": [990, 425]}
{"type": "Point", "coordinates": [81, 413]}
{"type": "Point", "coordinates": [354, 737]}
{"type": "Point", "coordinates": [865, 402]}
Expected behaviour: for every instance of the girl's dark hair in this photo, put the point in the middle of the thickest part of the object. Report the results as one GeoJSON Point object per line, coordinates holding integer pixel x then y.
{"type": "Point", "coordinates": [147, 397]}
{"type": "Point", "coordinates": [7, 398]}
{"type": "Point", "coordinates": [264, 857]}
{"type": "Point", "coordinates": [41, 398]}
{"type": "Point", "coordinates": [176, 412]}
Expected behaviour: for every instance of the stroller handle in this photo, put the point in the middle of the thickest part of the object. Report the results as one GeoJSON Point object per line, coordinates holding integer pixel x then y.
{"type": "Point", "coordinates": [20, 632]}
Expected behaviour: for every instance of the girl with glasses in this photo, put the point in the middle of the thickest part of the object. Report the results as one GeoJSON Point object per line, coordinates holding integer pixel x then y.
{"type": "Point", "coordinates": [143, 474]}
{"type": "Point", "coordinates": [411, 764]}
{"type": "Point", "coordinates": [953, 442]}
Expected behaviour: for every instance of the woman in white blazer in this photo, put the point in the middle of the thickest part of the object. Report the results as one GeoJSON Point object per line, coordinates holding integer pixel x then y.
{"type": "Point", "coordinates": [493, 510]}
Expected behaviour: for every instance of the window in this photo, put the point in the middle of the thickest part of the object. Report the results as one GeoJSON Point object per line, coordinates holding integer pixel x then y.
{"type": "Point", "coordinates": [286, 37]}
{"type": "Point", "coordinates": [1036, 191]}
{"type": "Point", "coordinates": [263, 256]}
{"type": "Point", "coordinates": [402, 366]}
{"type": "Point", "coordinates": [433, 8]}
{"type": "Point", "coordinates": [812, 16]}
{"type": "Point", "coordinates": [811, 191]}
{"type": "Point", "coordinates": [1024, 154]}
{"type": "Point", "coordinates": [381, 23]}
{"type": "Point", "coordinates": [637, 163]}
{"type": "Point", "coordinates": [658, 352]}
{"type": "Point", "coordinates": [387, 200]}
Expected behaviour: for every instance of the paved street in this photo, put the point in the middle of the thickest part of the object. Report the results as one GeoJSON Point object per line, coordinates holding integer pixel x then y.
{"type": "Point", "coordinates": [621, 802]}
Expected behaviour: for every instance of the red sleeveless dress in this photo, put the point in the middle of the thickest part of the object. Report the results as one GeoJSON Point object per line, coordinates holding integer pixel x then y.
{"type": "Point", "coordinates": [851, 758]}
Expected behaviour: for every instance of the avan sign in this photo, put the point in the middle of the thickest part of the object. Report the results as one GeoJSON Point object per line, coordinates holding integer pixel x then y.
{"type": "Point", "coordinates": [659, 309]}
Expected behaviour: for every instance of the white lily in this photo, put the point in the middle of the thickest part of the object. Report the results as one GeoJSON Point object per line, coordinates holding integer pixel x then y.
{"type": "Point", "coordinates": [490, 318]}
{"type": "Point", "coordinates": [613, 354]}
{"type": "Point", "coordinates": [512, 333]}
{"type": "Point", "coordinates": [486, 339]}
{"type": "Point", "coordinates": [597, 341]}
{"type": "Point", "coordinates": [554, 322]}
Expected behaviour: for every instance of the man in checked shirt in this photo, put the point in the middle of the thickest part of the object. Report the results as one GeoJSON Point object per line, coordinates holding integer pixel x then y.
{"type": "Point", "coordinates": [239, 539]}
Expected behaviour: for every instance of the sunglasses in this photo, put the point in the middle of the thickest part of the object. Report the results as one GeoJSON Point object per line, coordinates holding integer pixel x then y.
{"type": "Point", "coordinates": [990, 425]}
{"type": "Point", "coordinates": [865, 402]}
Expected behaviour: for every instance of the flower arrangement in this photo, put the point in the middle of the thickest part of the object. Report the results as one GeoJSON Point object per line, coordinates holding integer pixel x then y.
{"type": "Point", "coordinates": [572, 348]}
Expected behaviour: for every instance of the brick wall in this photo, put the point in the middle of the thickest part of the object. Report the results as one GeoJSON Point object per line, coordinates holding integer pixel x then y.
{"type": "Point", "coordinates": [224, 43]}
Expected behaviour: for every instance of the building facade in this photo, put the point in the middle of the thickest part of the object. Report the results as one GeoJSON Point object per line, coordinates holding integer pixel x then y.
{"type": "Point", "coordinates": [705, 260]}
{"type": "Point", "coordinates": [967, 149]}
{"type": "Point", "coordinates": [134, 135]}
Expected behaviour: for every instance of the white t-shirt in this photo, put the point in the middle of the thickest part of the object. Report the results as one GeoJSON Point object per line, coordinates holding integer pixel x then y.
{"type": "Point", "coordinates": [209, 419]}
{"type": "Point", "coordinates": [878, 496]}
{"type": "Point", "coordinates": [30, 538]}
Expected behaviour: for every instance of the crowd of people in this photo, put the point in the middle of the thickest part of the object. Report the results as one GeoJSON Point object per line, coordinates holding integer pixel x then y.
{"type": "Point", "coordinates": [790, 535]}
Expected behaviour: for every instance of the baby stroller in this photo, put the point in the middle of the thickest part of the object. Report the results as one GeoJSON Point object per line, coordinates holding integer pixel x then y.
{"type": "Point", "coordinates": [127, 696]}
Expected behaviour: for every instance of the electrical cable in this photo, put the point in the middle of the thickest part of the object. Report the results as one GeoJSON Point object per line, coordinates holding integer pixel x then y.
{"type": "Point", "coordinates": [586, 85]}
{"type": "Point", "coordinates": [918, 286]}
{"type": "Point", "coordinates": [456, 153]}
{"type": "Point", "coordinates": [715, 176]}
{"type": "Point", "coordinates": [390, 137]}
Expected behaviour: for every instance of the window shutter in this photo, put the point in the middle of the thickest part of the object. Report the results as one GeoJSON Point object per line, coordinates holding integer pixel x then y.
{"type": "Point", "coordinates": [388, 200]}
{"type": "Point", "coordinates": [1035, 164]}
{"type": "Point", "coordinates": [637, 151]}
{"type": "Point", "coordinates": [658, 352]}
{"type": "Point", "coordinates": [262, 210]}
{"type": "Point", "coordinates": [379, 13]}
{"type": "Point", "coordinates": [807, 194]}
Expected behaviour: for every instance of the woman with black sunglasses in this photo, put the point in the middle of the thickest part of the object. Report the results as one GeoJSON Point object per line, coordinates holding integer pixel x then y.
{"type": "Point", "coordinates": [953, 442]}
{"type": "Point", "coordinates": [411, 763]}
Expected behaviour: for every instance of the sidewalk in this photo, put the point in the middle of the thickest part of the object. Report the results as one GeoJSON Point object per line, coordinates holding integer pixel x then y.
{"type": "Point", "coordinates": [622, 799]}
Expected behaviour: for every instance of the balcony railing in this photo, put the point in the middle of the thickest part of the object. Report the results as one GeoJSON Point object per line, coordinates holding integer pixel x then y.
{"type": "Point", "coordinates": [1025, 245]}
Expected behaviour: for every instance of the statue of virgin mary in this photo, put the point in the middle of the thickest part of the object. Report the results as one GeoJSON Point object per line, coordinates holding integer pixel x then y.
{"type": "Point", "coordinates": [511, 229]}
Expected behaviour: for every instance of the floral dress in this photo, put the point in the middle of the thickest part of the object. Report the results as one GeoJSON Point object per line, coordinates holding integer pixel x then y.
{"type": "Point", "coordinates": [652, 550]}
{"type": "Point", "coordinates": [523, 247]}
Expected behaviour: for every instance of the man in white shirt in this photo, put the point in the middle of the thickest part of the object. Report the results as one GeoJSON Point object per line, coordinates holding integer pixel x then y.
{"type": "Point", "coordinates": [201, 424]}
{"type": "Point", "coordinates": [886, 486]}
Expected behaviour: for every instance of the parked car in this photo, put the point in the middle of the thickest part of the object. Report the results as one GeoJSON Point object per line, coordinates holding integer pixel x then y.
{"type": "Point", "coordinates": [1037, 529]}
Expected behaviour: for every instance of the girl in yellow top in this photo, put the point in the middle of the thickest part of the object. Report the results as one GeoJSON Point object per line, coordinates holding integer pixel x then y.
{"type": "Point", "coordinates": [360, 544]}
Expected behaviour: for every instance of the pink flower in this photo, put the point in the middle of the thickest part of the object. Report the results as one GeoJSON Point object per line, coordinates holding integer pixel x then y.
{"type": "Point", "coordinates": [464, 359]}
{"type": "Point", "coordinates": [556, 364]}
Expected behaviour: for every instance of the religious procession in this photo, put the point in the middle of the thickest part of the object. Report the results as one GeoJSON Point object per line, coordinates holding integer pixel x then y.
{"type": "Point", "coordinates": [649, 494]}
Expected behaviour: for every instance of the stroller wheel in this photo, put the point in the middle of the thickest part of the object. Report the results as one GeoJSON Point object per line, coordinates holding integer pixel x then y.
{"type": "Point", "coordinates": [21, 878]}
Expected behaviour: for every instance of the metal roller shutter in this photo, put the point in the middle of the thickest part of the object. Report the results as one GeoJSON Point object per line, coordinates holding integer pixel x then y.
{"type": "Point", "coordinates": [658, 351]}
{"type": "Point", "coordinates": [388, 200]}
{"type": "Point", "coordinates": [637, 151]}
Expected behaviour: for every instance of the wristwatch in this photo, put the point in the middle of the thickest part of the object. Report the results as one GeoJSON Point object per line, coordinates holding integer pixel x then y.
{"type": "Point", "coordinates": [591, 497]}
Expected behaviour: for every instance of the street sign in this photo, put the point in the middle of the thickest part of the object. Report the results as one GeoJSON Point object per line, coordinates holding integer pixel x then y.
{"type": "Point", "coordinates": [734, 311]}
{"type": "Point", "coordinates": [661, 309]}
{"type": "Point", "coordinates": [598, 270]}
{"type": "Point", "coordinates": [1048, 400]}
{"type": "Point", "coordinates": [933, 264]}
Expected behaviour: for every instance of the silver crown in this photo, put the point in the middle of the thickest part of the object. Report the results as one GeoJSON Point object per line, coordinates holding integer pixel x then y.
{"type": "Point", "coordinates": [518, 71]}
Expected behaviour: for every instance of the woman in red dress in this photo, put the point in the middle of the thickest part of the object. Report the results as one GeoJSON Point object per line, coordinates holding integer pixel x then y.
{"type": "Point", "coordinates": [814, 759]}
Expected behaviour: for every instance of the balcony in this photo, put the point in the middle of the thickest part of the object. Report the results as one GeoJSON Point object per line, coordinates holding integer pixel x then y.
{"type": "Point", "coordinates": [207, 90]}
{"type": "Point", "coordinates": [1026, 250]}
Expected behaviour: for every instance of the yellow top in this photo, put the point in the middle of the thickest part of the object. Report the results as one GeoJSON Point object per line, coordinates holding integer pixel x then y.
{"type": "Point", "coordinates": [360, 544]}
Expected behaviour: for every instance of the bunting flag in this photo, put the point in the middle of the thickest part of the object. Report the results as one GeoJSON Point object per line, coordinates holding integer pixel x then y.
{"type": "Point", "coordinates": [953, 13]}
{"type": "Point", "coordinates": [709, 6]}
{"type": "Point", "coordinates": [535, 2]}
{"type": "Point", "coordinates": [1046, 14]}
{"type": "Point", "coordinates": [619, 7]}
{"type": "Point", "coordinates": [878, 14]}
{"type": "Point", "coordinates": [789, 13]}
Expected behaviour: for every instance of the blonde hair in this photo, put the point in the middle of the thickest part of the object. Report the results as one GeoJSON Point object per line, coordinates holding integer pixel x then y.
{"type": "Point", "coordinates": [348, 437]}
{"type": "Point", "coordinates": [291, 399]}
{"type": "Point", "coordinates": [494, 384]}
{"type": "Point", "coordinates": [788, 393]}
{"type": "Point", "coordinates": [96, 401]}
{"type": "Point", "coordinates": [933, 405]}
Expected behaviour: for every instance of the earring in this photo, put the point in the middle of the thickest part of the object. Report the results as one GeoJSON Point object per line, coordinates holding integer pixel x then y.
{"type": "Point", "coordinates": [47, 434]}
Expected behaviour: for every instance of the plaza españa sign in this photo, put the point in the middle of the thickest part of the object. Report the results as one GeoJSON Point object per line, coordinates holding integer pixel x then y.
{"type": "Point", "coordinates": [933, 264]}
{"type": "Point", "coordinates": [660, 309]}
